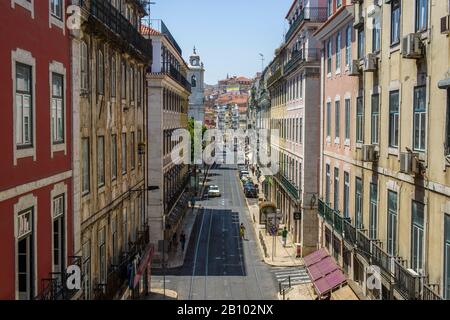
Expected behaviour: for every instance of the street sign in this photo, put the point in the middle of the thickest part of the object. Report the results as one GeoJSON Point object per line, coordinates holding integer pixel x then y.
{"type": "Point", "coordinates": [297, 215]}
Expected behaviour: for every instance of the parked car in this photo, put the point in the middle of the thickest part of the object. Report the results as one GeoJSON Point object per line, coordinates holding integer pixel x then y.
{"type": "Point", "coordinates": [251, 192]}
{"type": "Point", "coordinates": [213, 191]}
{"type": "Point", "coordinates": [243, 173]}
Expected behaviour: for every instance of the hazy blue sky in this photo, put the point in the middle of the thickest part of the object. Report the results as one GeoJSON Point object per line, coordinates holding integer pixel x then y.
{"type": "Point", "coordinates": [229, 35]}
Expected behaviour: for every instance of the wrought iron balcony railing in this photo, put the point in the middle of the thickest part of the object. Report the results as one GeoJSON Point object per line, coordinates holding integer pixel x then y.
{"type": "Point", "coordinates": [160, 26]}
{"type": "Point", "coordinates": [332, 217]}
{"type": "Point", "coordinates": [382, 259]}
{"type": "Point", "coordinates": [408, 284]}
{"type": "Point", "coordinates": [276, 75]}
{"type": "Point", "coordinates": [301, 57]}
{"type": "Point", "coordinates": [118, 29]}
{"type": "Point", "coordinates": [349, 232]}
{"type": "Point", "coordinates": [430, 292]}
{"type": "Point", "coordinates": [364, 244]}
{"type": "Point", "coordinates": [307, 14]}
{"type": "Point", "coordinates": [288, 186]}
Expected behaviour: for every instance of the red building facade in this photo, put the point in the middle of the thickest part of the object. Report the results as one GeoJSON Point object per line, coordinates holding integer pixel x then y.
{"type": "Point", "coordinates": [35, 166]}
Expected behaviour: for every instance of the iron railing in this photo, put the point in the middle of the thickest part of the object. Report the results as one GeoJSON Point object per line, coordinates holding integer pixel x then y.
{"type": "Point", "coordinates": [430, 292]}
{"type": "Point", "coordinates": [311, 14]}
{"type": "Point", "coordinates": [364, 245]}
{"type": "Point", "coordinates": [288, 186]}
{"type": "Point", "coordinates": [160, 26]}
{"type": "Point", "coordinates": [349, 232]}
{"type": "Point", "coordinates": [118, 274]}
{"type": "Point", "coordinates": [381, 259]}
{"type": "Point", "coordinates": [276, 75]}
{"type": "Point", "coordinates": [125, 33]}
{"type": "Point", "coordinates": [301, 57]}
{"type": "Point", "coordinates": [408, 284]}
{"type": "Point", "coordinates": [177, 76]}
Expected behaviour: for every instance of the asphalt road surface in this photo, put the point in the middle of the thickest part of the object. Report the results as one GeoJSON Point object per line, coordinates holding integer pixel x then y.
{"type": "Point", "coordinates": [218, 264]}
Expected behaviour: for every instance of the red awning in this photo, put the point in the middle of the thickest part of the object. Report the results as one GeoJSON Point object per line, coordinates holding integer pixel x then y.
{"type": "Point", "coordinates": [324, 272]}
{"type": "Point", "coordinates": [145, 262]}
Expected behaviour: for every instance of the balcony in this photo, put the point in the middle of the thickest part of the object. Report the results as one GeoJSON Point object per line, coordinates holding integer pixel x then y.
{"type": "Point", "coordinates": [430, 292]}
{"type": "Point", "coordinates": [381, 259]}
{"type": "Point", "coordinates": [54, 287]}
{"type": "Point", "coordinates": [276, 75]}
{"type": "Point", "coordinates": [332, 217]}
{"type": "Point", "coordinates": [118, 274]}
{"type": "Point", "coordinates": [407, 283]}
{"type": "Point", "coordinates": [178, 77]}
{"type": "Point", "coordinates": [307, 14]}
{"type": "Point", "coordinates": [364, 245]}
{"type": "Point", "coordinates": [301, 57]}
{"type": "Point", "coordinates": [349, 232]}
{"type": "Point", "coordinates": [288, 186]}
{"type": "Point", "coordinates": [159, 25]}
{"type": "Point", "coordinates": [103, 18]}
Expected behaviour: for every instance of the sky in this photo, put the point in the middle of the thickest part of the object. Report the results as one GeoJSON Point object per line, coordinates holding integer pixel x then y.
{"type": "Point", "coordinates": [229, 35]}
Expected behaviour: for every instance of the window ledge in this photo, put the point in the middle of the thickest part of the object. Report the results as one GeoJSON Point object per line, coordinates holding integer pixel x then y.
{"type": "Point", "coordinates": [328, 139]}
{"type": "Point", "coordinates": [392, 151]}
{"type": "Point", "coordinates": [338, 71]}
{"type": "Point", "coordinates": [58, 147]}
{"type": "Point", "coordinates": [57, 22]}
{"type": "Point", "coordinates": [359, 145]}
{"type": "Point", "coordinates": [25, 152]}
{"type": "Point", "coordinates": [337, 141]}
{"type": "Point", "coordinates": [347, 142]}
{"type": "Point", "coordinates": [394, 48]}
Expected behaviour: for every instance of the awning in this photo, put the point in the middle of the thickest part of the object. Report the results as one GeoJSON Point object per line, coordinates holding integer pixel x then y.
{"type": "Point", "coordinates": [324, 272]}
{"type": "Point", "coordinates": [143, 264]}
{"type": "Point", "coordinates": [444, 83]}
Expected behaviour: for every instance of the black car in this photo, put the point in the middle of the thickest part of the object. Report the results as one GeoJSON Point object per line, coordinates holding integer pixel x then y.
{"type": "Point", "coordinates": [251, 192]}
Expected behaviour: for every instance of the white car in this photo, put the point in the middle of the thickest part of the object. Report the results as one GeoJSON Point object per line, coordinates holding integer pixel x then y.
{"type": "Point", "coordinates": [213, 191]}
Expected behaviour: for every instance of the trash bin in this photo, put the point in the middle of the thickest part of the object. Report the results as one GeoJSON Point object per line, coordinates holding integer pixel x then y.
{"type": "Point", "coordinates": [298, 249]}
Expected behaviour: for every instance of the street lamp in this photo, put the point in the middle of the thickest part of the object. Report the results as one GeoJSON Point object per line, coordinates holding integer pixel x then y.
{"type": "Point", "coordinates": [262, 62]}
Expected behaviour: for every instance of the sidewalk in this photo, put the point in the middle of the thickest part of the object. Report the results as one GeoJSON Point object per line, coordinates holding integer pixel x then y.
{"type": "Point", "coordinates": [299, 292]}
{"type": "Point", "coordinates": [158, 294]}
{"type": "Point", "coordinates": [283, 256]}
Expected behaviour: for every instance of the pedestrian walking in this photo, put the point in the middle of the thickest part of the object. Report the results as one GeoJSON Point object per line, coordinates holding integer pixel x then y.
{"type": "Point", "coordinates": [182, 240]}
{"type": "Point", "coordinates": [242, 231]}
{"type": "Point", "coordinates": [284, 234]}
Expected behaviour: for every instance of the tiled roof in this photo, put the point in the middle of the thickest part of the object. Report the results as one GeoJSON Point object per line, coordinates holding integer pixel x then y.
{"type": "Point", "coordinates": [147, 31]}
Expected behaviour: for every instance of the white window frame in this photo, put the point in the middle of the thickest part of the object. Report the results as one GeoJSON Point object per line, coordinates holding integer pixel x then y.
{"type": "Point", "coordinates": [24, 57]}
{"type": "Point", "coordinates": [55, 21]}
{"type": "Point", "coordinates": [24, 4]}
{"type": "Point", "coordinates": [58, 68]}
{"type": "Point", "coordinates": [59, 190]}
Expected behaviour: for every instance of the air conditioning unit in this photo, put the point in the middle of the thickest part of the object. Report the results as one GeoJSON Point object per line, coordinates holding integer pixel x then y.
{"type": "Point", "coordinates": [353, 69]}
{"type": "Point", "coordinates": [445, 25]}
{"type": "Point", "coordinates": [412, 46]}
{"type": "Point", "coordinates": [369, 154]}
{"type": "Point", "coordinates": [409, 162]}
{"type": "Point", "coordinates": [370, 63]}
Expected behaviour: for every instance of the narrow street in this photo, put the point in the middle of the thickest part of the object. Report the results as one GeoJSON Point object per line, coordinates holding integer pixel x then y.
{"type": "Point", "coordinates": [218, 264]}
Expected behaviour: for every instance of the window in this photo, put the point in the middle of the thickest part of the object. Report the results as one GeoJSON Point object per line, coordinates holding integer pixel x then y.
{"type": "Point", "coordinates": [373, 223]}
{"type": "Point", "coordinates": [57, 125]}
{"type": "Point", "coordinates": [102, 255]}
{"type": "Point", "coordinates": [359, 120]}
{"type": "Point", "coordinates": [24, 115]}
{"type": "Point", "coordinates": [193, 81]}
{"type": "Point", "coordinates": [59, 234]}
{"type": "Point", "coordinates": [300, 131]}
{"type": "Point", "coordinates": [346, 194]}
{"type": "Point", "coordinates": [113, 156]}
{"type": "Point", "coordinates": [329, 57]}
{"type": "Point", "coordinates": [348, 46]}
{"type": "Point", "coordinates": [347, 119]}
{"type": "Point", "coordinates": [361, 43]}
{"type": "Point", "coordinates": [56, 9]}
{"type": "Point", "coordinates": [336, 189]}
{"type": "Point", "coordinates": [420, 115]}
{"type": "Point", "coordinates": [376, 34]}
{"type": "Point", "coordinates": [374, 119]}
{"type": "Point", "coordinates": [329, 7]}
{"type": "Point", "coordinates": [447, 257]}
{"type": "Point", "coordinates": [421, 15]}
{"type": "Point", "coordinates": [359, 204]}
{"type": "Point", "coordinates": [328, 119]}
{"type": "Point", "coordinates": [124, 153]}
{"type": "Point", "coordinates": [133, 151]}
{"type": "Point", "coordinates": [84, 66]}
{"type": "Point", "coordinates": [392, 223]}
{"type": "Point", "coordinates": [85, 164]}
{"type": "Point", "coordinates": [100, 73]}
{"type": "Point", "coordinates": [114, 246]}
{"type": "Point", "coordinates": [327, 184]}
{"type": "Point", "coordinates": [25, 255]}
{"type": "Point", "coordinates": [123, 93]}
{"type": "Point", "coordinates": [113, 77]}
{"type": "Point", "coordinates": [338, 51]}
{"type": "Point", "coordinates": [395, 21]}
{"type": "Point", "coordinates": [337, 119]}
{"type": "Point", "coordinates": [100, 161]}
{"type": "Point", "coordinates": [417, 237]}
{"type": "Point", "coordinates": [124, 230]}
{"type": "Point", "coordinates": [86, 253]}
{"type": "Point", "coordinates": [394, 116]}
{"type": "Point", "coordinates": [132, 83]}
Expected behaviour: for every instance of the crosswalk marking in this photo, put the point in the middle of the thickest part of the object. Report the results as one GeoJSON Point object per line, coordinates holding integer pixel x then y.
{"type": "Point", "coordinates": [298, 275]}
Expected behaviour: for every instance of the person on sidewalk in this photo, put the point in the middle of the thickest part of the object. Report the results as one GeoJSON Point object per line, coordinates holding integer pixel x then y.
{"type": "Point", "coordinates": [242, 231]}
{"type": "Point", "coordinates": [182, 240]}
{"type": "Point", "coordinates": [284, 234]}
